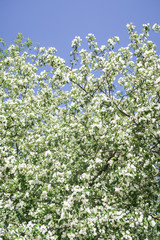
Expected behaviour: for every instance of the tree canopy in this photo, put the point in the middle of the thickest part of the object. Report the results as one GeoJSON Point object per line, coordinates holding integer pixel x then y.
{"type": "Point", "coordinates": [79, 144]}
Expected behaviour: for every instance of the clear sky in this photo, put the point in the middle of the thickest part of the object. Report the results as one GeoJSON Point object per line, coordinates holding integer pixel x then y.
{"type": "Point", "coordinates": [56, 22]}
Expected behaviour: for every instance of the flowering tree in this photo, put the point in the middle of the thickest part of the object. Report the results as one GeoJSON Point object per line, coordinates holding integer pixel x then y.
{"type": "Point", "coordinates": [79, 157]}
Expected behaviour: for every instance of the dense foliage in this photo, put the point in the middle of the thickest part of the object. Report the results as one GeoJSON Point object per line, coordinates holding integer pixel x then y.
{"type": "Point", "coordinates": [79, 156]}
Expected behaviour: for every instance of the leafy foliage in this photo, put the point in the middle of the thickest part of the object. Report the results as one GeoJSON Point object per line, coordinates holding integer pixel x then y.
{"type": "Point", "coordinates": [79, 156]}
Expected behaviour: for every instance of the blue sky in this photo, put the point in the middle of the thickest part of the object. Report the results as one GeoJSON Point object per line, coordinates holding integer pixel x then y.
{"type": "Point", "coordinates": [56, 22]}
